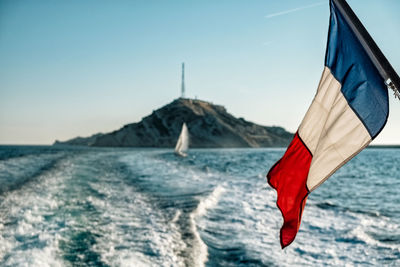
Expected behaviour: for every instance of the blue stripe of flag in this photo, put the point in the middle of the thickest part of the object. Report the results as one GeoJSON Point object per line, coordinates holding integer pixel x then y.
{"type": "Point", "coordinates": [362, 85]}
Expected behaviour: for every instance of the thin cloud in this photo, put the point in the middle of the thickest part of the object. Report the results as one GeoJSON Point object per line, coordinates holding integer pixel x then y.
{"type": "Point", "coordinates": [293, 10]}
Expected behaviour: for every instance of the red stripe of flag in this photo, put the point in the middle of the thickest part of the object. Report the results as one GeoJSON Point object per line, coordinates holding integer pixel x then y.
{"type": "Point", "coordinates": [289, 178]}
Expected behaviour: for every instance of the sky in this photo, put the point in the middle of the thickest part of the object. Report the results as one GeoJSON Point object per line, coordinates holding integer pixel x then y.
{"type": "Point", "coordinates": [79, 67]}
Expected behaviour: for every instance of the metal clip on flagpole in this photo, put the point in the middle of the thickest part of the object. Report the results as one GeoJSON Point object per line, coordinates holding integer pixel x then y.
{"type": "Point", "coordinates": [391, 85]}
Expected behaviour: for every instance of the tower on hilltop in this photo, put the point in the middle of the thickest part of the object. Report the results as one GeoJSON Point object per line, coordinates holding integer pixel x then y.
{"type": "Point", "coordinates": [183, 81]}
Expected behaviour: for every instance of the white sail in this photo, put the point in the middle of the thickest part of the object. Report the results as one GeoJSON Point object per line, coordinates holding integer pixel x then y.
{"type": "Point", "coordinates": [183, 142]}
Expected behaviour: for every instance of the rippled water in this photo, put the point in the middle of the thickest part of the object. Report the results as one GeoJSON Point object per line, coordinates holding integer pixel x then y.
{"type": "Point", "coordinates": [147, 207]}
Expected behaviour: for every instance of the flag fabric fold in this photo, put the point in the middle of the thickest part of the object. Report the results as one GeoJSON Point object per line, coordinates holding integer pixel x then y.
{"type": "Point", "coordinates": [349, 110]}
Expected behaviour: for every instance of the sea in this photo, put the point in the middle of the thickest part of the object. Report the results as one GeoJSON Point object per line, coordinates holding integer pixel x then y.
{"type": "Point", "coordinates": [75, 206]}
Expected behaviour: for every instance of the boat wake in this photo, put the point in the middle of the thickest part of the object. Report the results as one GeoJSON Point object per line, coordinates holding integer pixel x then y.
{"type": "Point", "coordinates": [201, 254]}
{"type": "Point", "coordinates": [138, 207]}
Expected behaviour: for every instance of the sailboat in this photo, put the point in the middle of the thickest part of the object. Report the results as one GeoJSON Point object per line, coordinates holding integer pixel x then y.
{"type": "Point", "coordinates": [182, 145]}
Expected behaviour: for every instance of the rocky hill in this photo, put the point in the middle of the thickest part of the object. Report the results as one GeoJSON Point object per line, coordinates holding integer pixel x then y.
{"type": "Point", "coordinates": [209, 126]}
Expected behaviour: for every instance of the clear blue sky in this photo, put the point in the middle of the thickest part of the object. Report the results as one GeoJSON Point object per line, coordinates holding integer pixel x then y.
{"type": "Point", "coordinates": [79, 67]}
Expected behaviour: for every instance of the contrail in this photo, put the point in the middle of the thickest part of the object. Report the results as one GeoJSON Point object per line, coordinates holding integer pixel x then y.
{"type": "Point", "coordinates": [293, 10]}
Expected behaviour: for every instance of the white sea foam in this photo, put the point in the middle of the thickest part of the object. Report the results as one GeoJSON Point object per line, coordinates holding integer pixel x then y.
{"type": "Point", "coordinates": [137, 234]}
{"type": "Point", "coordinates": [209, 202]}
{"type": "Point", "coordinates": [176, 216]}
{"type": "Point", "coordinates": [201, 253]}
{"type": "Point", "coordinates": [360, 232]}
{"type": "Point", "coordinates": [24, 212]}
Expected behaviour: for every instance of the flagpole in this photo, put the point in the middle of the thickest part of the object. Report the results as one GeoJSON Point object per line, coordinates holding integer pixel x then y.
{"type": "Point", "coordinates": [392, 79]}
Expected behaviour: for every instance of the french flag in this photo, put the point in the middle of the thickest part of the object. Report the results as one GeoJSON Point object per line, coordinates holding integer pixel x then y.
{"type": "Point", "coordinates": [349, 110]}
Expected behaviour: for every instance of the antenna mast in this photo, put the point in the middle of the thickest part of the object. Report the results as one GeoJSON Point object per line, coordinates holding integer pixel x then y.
{"type": "Point", "coordinates": [183, 81]}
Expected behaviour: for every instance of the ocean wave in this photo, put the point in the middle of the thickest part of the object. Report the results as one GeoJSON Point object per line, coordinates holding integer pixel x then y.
{"type": "Point", "coordinates": [376, 233]}
{"type": "Point", "coordinates": [15, 172]}
{"type": "Point", "coordinates": [326, 205]}
{"type": "Point", "coordinates": [205, 204]}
